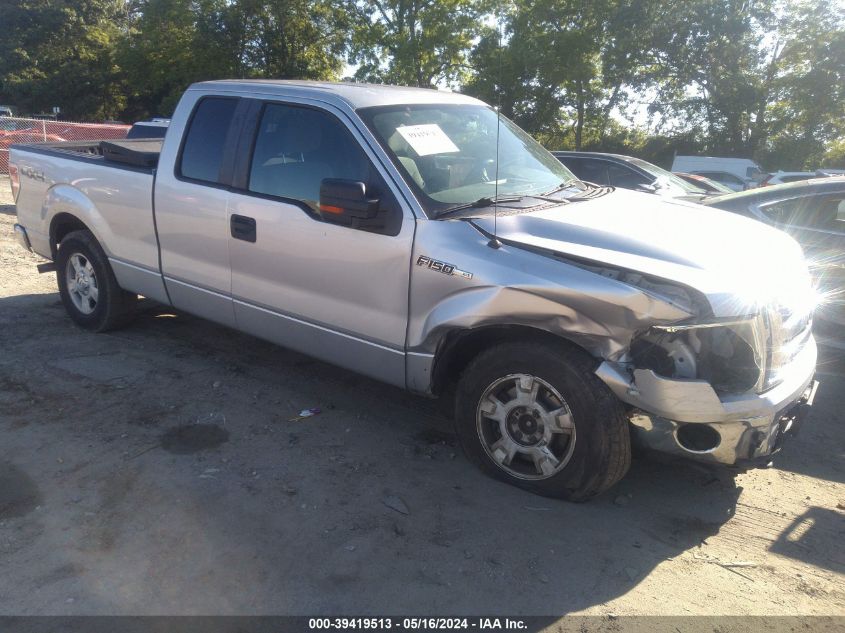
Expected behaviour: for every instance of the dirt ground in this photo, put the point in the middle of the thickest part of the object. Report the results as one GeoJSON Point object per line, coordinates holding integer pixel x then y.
{"type": "Point", "coordinates": [155, 470]}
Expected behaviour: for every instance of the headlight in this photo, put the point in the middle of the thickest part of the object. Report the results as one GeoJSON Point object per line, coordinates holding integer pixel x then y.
{"type": "Point", "coordinates": [734, 356]}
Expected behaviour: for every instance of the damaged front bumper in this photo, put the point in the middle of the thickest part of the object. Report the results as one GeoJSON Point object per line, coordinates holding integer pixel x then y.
{"type": "Point", "coordinates": [688, 418]}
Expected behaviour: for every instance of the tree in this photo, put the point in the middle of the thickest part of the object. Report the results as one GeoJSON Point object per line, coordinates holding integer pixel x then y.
{"type": "Point", "coordinates": [761, 78]}
{"type": "Point", "coordinates": [564, 66]}
{"type": "Point", "coordinates": [160, 56]}
{"type": "Point", "coordinates": [806, 113]}
{"type": "Point", "coordinates": [414, 42]}
{"type": "Point", "coordinates": [61, 53]}
{"type": "Point", "coordinates": [173, 43]}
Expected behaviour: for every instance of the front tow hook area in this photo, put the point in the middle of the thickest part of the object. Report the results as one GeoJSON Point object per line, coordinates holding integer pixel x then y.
{"type": "Point", "coordinates": [795, 417]}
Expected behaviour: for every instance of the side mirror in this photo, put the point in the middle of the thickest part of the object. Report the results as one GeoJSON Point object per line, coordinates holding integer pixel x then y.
{"type": "Point", "coordinates": [648, 187]}
{"type": "Point", "coordinates": [346, 202]}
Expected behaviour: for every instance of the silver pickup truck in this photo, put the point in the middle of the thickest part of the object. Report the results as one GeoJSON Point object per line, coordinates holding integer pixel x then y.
{"type": "Point", "coordinates": [416, 237]}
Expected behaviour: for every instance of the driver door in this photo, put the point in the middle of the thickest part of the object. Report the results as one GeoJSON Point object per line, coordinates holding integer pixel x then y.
{"type": "Point", "coordinates": [334, 292]}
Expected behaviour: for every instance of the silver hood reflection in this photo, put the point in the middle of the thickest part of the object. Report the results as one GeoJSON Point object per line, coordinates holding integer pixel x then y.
{"type": "Point", "coordinates": [739, 264]}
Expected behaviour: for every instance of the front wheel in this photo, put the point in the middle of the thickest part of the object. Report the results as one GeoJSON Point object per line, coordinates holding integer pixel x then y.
{"type": "Point", "coordinates": [87, 284]}
{"type": "Point", "coordinates": [536, 416]}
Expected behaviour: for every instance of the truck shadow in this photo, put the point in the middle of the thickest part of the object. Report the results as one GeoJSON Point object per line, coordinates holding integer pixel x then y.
{"type": "Point", "coordinates": [319, 488]}
{"type": "Point", "coordinates": [808, 537]}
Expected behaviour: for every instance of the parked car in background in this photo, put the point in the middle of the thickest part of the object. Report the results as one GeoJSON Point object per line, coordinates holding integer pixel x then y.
{"type": "Point", "coordinates": [8, 124]}
{"type": "Point", "coordinates": [6, 110]}
{"type": "Point", "coordinates": [732, 182]}
{"type": "Point", "coordinates": [156, 128]}
{"type": "Point", "coordinates": [813, 212]}
{"type": "Point", "coordinates": [783, 177]}
{"type": "Point", "coordinates": [627, 172]}
{"type": "Point", "coordinates": [742, 173]}
{"type": "Point", "coordinates": [702, 182]}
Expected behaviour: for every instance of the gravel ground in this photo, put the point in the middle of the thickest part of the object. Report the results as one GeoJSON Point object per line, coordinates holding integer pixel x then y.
{"type": "Point", "coordinates": [155, 470]}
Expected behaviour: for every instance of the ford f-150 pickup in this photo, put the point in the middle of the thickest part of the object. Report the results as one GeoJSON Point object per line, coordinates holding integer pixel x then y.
{"type": "Point", "coordinates": [417, 237]}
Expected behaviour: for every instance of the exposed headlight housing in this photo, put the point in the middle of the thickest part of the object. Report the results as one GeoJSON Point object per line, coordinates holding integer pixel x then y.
{"type": "Point", "coordinates": [734, 356]}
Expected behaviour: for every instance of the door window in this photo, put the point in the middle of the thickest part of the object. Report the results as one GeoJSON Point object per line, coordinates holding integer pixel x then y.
{"type": "Point", "coordinates": [594, 171]}
{"type": "Point", "coordinates": [620, 176]}
{"type": "Point", "coordinates": [825, 213]}
{"type": "Point", "coordinates": [202, 152]}
{"type": "Point", "coordinates": [296, 148]}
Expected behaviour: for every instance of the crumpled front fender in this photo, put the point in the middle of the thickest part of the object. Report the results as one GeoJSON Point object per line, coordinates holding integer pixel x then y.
{"type": "Point", "coordinates": [602, 323]}
{"type": "Point", "coordinates": [514, 286]}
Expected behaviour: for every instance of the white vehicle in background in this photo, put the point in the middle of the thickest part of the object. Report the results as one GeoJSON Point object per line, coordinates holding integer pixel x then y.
{"type": "Point", "coordinates": [783, 177]}
{"type": "Point", "coordinates": [737, 173]}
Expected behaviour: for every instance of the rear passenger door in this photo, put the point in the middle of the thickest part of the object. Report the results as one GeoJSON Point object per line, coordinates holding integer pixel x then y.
{"type": "Point", "coordinates": [191, 209]}
{"type": "Point", "coordinates": [334, 292]}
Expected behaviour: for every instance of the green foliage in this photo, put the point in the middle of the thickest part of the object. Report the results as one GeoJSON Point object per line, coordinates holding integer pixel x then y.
{"type": "Point", "coordinates": [173, 43]}
{"type": "Point", "coordinates": [61, 53]}
{"type": "Point", "coordinates": [414, 42]}
{"type": "Point", "coordinates": [756, 78]}
{"type": "Point", "coordinates": [806, 112]}
{"type": "Point", "coordinates": [565, 66]}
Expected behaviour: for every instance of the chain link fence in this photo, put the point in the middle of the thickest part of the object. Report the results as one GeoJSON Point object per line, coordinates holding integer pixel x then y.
{"type": "Point", "coordinates": [21, 130]}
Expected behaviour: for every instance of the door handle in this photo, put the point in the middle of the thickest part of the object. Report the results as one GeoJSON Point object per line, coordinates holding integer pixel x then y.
{"type": "Point", "coordinates": [243, 228]}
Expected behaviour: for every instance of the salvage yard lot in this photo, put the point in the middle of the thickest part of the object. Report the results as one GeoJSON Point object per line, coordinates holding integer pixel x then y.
{"type": "Point", "coordinates": [156, 470]}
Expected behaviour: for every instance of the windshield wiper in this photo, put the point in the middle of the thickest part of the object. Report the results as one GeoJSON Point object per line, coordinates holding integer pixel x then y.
{"type": "Point", "coordinates": [546, 196]}
{"type": "Point", "coordinates": [487, 201]}
{"type": "Point", "coordinates": [560, 187]}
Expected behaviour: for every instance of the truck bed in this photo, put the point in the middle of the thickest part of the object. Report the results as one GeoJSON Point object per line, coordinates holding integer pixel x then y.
{"type": "Point", "coordinates": [106, 186]}
{"type": "Point", "coordinates": [140, 154]}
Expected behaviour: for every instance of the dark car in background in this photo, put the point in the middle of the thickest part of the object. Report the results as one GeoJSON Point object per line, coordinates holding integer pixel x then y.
{"type": "Point", "coordinates": [627, 172]}
{"type": "Point", "coordinates": [813, 212]}
{"type": "Point", "coordinates": [153, 129]}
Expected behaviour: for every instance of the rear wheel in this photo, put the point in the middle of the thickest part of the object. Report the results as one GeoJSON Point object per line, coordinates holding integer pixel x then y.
{"type": "Point", "coordinates": [88, 286]}
{"type": "Point", "coordinates": [537, 417]}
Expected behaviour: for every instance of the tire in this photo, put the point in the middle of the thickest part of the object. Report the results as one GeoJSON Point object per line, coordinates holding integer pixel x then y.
{"type": "Point", "coordinates": [567, 439]}
{"type": "Point", "coordinates": [88, 287]}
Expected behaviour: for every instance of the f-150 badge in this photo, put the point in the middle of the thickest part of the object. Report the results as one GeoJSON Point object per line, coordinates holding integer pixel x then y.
{"type": "Point", "coordinates": [442, 267]}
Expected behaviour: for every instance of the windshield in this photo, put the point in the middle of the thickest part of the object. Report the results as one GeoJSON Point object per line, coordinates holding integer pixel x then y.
{"type": "Point", "coordinates": [447, 153]}
{"type": "Point", "coordinates": [666, 177]}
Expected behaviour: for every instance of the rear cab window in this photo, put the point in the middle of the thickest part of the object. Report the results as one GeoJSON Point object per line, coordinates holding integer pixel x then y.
{"type": "Point", "coordinates": [203, 147]}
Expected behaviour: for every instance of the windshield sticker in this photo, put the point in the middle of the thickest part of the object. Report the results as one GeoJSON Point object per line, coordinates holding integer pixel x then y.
{"type": "Point", "coordinates": [427, 139]}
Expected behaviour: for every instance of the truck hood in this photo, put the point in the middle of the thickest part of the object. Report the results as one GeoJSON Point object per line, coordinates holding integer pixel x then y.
{"type": "Point", "coordinates": [738, 263]}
